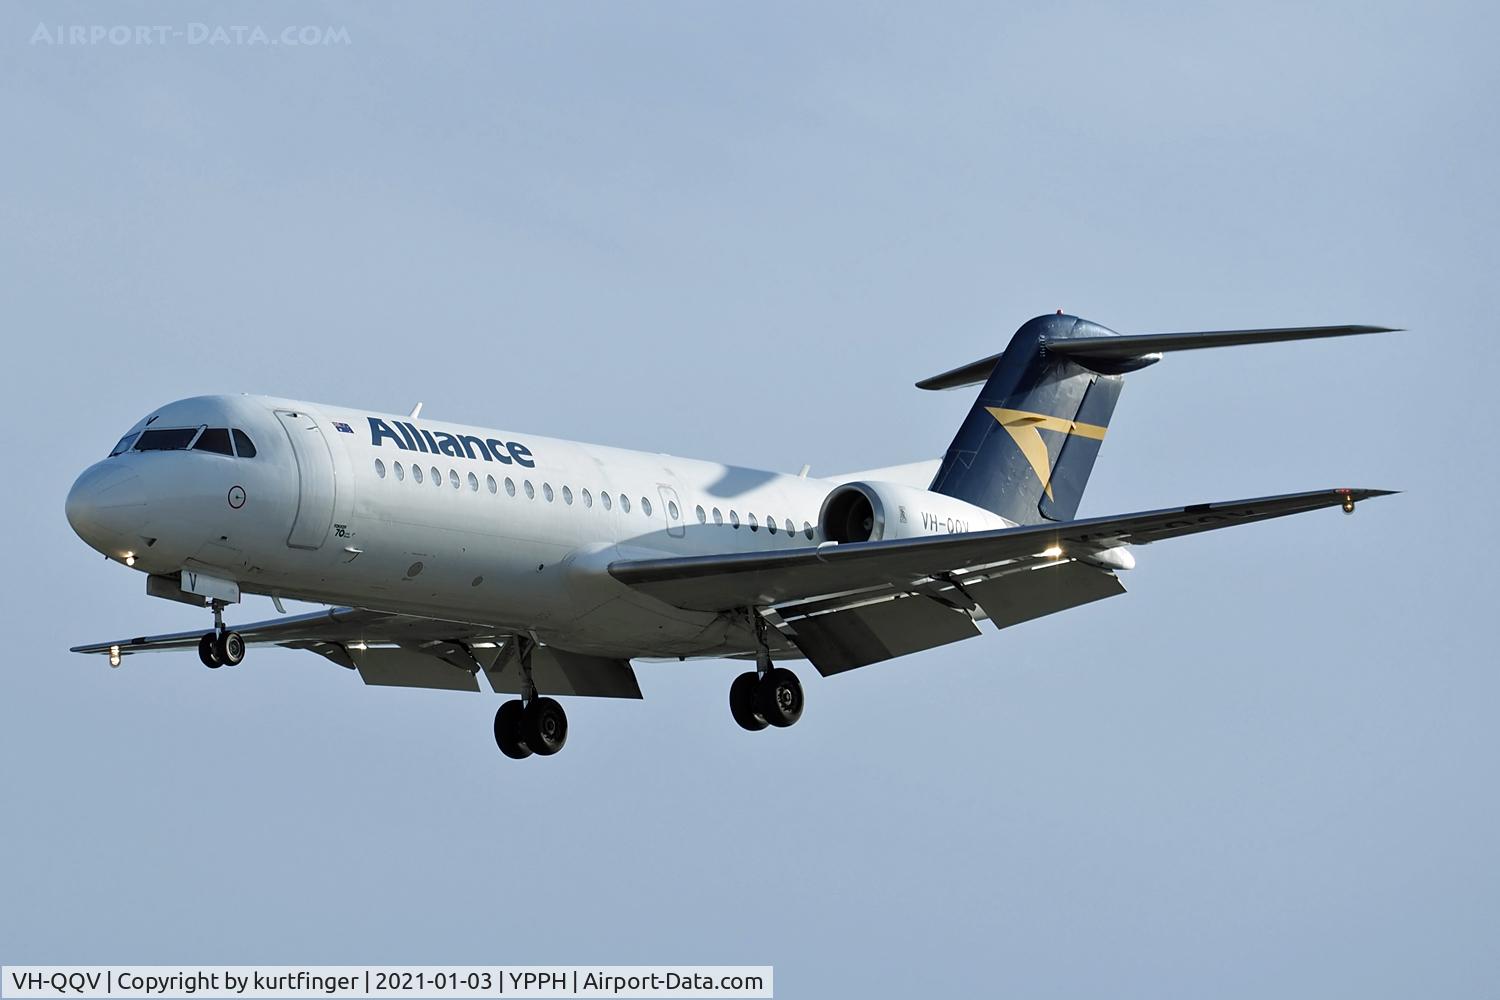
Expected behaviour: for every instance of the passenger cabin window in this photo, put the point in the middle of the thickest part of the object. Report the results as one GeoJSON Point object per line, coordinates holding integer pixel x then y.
{"type": "Point", "coordinates": [588, 498]}
{"type": "Point", "coordinates": [547, 491]}
{"type": "Point", "coordinates": [216, 440]}
{"type": "Point", "coordinates": [734, 518]}
{"type": "Point", "coordinates": [754, 524]}
{"type": "Point", "coordinates": [624, 503]}
{"type": "Point", "coordinates": [437, 478]}
{"type": "Point", "coordinates": [453, 478]}
{"type": "Point", "coordinates": [604, 499]}
{"type": "Point", "coordinates": [489, 481]}
{"type": "Point", "coordinates": [166, 439]}
{"type": "Point", "coordinates": [416, 473]}
{"type": "Point", "coordinates": [242, 444]}
{"type": "Point", "coordinates": [567, 495]}
{"type": "Point", "coordinates": [473, 482]}
{"type": "Point", "coordinates": [510, 487]}
{"type": "Point", "coordinates": [645, 506]}
{"type": "Point", "coordinates": [380, 468]}
{"type": "Point", "coordinates": [718, 518]}
{"type": "Point", "coordinates": [702, 517]}
{"type": "Point", "coordinates": [399, 474]}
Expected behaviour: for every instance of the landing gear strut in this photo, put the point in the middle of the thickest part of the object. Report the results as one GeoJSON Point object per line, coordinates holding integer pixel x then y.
{"type": "Point", "coordinates": [769, 695]}
{"type": "Point", "coordinates": [221, 646]}
{"type": "Point", "coordinates": [530, 724]}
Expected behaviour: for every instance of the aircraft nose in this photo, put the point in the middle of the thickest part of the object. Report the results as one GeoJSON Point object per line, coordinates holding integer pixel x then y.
{"type": "Point", "coordinates": [106, 506]}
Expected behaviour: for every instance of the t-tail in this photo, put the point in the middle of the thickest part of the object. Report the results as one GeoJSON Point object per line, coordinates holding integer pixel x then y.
{"type": "Point", "coordinates": [1028, 445]}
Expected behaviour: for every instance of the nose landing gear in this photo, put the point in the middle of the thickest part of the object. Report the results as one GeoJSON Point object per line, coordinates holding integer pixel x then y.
{"type": "Point", "coordinates": [221, 646]}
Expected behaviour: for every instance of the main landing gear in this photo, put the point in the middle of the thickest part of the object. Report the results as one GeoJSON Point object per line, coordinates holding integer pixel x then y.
{"type": "Point", "coordinates": [768, 695]}
{"type": "Point", "coordinates": [221, 647]}
{"type": "Point", "coordinates": [529, 724]}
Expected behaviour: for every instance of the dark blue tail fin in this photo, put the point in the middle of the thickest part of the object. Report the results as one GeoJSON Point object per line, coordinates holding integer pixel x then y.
{"type": "Point", "coordinates": [1027, 447]}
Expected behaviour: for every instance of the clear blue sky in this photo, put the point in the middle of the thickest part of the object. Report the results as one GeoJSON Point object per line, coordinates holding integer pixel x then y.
{"type": "Point", "coordinates": [742, 232]}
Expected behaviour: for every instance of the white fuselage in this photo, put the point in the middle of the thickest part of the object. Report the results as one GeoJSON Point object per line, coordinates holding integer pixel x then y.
{"type": "Point", "coordinates": [446, 521]}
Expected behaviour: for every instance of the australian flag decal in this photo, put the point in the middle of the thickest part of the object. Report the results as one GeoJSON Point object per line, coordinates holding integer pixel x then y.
{"type": "Point", "coordinates": [342, 427]}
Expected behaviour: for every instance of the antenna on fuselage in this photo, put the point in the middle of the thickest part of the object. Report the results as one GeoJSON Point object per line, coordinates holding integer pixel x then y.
{"type": "Point", "coordinates": [416, 411]}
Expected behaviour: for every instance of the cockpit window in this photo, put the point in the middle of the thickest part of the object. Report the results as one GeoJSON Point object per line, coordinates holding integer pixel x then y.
{"type": "Point", "coordinates": [216, 440]}
{"type": "Point", "coordinates": [124, 445]}
{"type": "Point", "coordinates": [166, 439]}
{"type": "Point", "coordinates": [242, 444]}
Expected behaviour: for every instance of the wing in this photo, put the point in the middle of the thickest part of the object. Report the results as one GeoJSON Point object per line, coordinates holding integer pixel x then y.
{"type": "Point", "coordinates": [393, 650]}
{"type": "Point", "coordinates": [848, 605]}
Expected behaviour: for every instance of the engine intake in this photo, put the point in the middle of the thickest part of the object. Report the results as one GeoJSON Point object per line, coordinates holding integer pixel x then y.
{"type": "Point", "coordinates": [852, 513]}
{"type": "Point", "coordinates": [872, 511]}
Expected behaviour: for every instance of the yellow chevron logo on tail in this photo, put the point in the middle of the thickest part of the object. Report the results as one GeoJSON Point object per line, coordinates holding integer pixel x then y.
{"type": "Point", "coordinates": [1025, 429]}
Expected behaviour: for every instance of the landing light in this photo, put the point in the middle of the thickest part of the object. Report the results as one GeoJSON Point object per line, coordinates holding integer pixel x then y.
{"type": "Point", "coordinates": [114, 656]}
{"type": "Point", "coordinates": [130, 559]}
{"type": "Point", "coordinates": [1051, 552]}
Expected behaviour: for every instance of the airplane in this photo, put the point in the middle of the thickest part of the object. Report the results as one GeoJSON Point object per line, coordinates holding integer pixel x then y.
{"type": "Point", "coordinates": [446, 553]}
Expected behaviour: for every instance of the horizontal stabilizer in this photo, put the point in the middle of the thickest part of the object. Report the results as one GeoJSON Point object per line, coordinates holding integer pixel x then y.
{"type": "Point", "coordinates": [1125, 347]}
{"type": "Point", "coordinates": [1140, 345]}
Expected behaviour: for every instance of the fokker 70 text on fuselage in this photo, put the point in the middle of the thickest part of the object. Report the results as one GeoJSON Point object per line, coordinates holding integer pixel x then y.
{"type": "Point", "coordinates": [448, 553]}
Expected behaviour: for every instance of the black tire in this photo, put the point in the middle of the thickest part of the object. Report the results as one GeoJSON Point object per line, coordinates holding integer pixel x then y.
{"type": "Point", "coordinates": [508, 737]}
{"type": "Point", "coordinates": [742, 699]}
{"type": "Point", "coordinates": [779, 697]}
{"type": "Point", "coordinates": [545, 726]}
{"type": "Point", "coordinates": [208, 650]}
{"type": "Point", "coordinates": [230, 648]}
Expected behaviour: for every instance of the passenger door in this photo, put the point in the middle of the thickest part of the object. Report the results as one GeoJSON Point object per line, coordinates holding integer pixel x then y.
{"type": "Point", "coordinates": [316, 486]}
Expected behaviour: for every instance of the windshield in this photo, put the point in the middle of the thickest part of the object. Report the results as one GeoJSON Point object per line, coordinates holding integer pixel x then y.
{"type": "Point", "coordinates": [219, 440]}
{"type": "Point", "coordinates": [124, 444]}
{"type": "Point", "coordinates": [215, 439]}
{"type": "Point", "coordinates": [166, 439]}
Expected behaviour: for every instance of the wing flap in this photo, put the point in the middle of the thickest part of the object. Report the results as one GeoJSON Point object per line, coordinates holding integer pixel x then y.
{"type": "Point", "coordinates": [1043, 590]}
{"type": "Point", "coordinates": [558, 671]}
{"type": "Point", "coordinates": [392, 666]}
{"type": "Point", "coordinates": [855, 637]}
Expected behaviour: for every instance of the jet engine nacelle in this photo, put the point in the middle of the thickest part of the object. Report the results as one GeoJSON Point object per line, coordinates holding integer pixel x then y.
{"type": "Point", "coordinates": [870, 511]}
